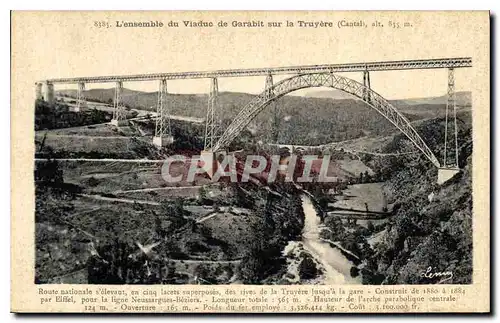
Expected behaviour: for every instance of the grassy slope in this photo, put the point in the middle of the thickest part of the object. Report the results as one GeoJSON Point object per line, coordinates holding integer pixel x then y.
{"type": "Point", "coordinates": [426, 232]}
{"type": "Point", "coordinates": [462, 97]}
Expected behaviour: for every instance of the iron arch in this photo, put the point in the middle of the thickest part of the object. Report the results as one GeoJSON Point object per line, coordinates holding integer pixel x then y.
{"type": "Point", "coordinates": [302, 81]}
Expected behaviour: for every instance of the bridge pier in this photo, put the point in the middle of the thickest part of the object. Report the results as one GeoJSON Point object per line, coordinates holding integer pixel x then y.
{"type": "Point", "coordinates": [118, 110]}
{"type": "Point", "coordinates": [208, 159]}
{"type": "Point", "coordinates": [366, 83]}
{"type": "Point", "coordinates": [211, 121]}
{"type": "Point", "coordinates": [445, 174]}
{"type": "Point", "coordinates": [274, 106]}
{"type": "Point", "coordinates": [163, 141]}
{"type": "Point", "coordinates": [49, 93]}
{"type": "Point", "coordinates": [450, 154]}
{"type": "Point", "coordinates": [450, 158]}
{"type": "Point", "coordinates": [269, 86]}
{"type": "Point", "coordinates": [163, 136]}
{"type": "Point", "coordinates": [81, 104]}
{"type": "Point", "coordinates": [38, 91]}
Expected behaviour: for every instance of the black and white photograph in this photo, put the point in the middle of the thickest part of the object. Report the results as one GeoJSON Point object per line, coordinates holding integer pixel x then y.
{"type": "Point", "coordinates": [318, 179]}
{"type": "Point", "coordinates": [250, 161]}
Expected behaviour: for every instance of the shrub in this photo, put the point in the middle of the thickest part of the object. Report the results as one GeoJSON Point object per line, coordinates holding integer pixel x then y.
{"type": "Point", "coordinates": [308, 269]}
{"type": "Point", "coordinates": [92, 182]}
{"type": "Point", "coordinates": [354, 271]}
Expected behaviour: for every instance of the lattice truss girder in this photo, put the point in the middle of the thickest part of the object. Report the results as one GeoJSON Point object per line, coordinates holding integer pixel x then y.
{"type": "Point", "coordinates": [377, 102]}
{"type": "Point", "coordinates": [458, 62]}
{"type": "Point", "coordinates": [212, 120]}
{"type": "Point", "coordinates": [118, 110]}
{"type": "Point", "coordinates": [162, 111]}
{"type": "Point", "coordinates": [80, 96]}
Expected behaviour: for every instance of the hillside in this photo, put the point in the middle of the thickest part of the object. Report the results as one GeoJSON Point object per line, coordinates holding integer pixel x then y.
{"type": "Point", "coordinates": [349, 118]}
{"type": "Point", "coordinates": [464, 98]}
{"type": "Point", "coordinates": [328, 94]}
{"type": "Point", "coordinates": [432, 225]}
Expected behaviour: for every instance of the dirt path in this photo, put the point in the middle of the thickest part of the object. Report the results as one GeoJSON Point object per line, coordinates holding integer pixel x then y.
{"type": "Point", "coordinates": [51, 135]}
{"type": "Point", "coordinates": [152, 189]}
{"type": "Point", "coordinates": [207, 217]}
{"type": "Point", "coordinates": [121, 200]}
{"type": "Point", "coordinates": [106, 160]}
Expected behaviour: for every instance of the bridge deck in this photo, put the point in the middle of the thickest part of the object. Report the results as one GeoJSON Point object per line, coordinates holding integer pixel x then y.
{"type": "Point", "coordinates": [459, 62]}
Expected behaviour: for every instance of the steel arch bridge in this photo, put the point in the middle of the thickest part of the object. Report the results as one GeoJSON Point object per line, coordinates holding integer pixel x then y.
{"type": "Point", "coordinates": [302, 81]}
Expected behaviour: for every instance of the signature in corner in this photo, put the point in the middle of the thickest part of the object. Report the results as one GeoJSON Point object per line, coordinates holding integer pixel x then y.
{"type": "Point", "coordinates": [446, 275]}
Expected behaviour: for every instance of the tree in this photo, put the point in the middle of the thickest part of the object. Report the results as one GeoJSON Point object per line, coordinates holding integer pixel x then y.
{"type": "Point", "coordinates": [243, 199]}
{"type": "Point", "coordinates": [49, 172]}
{"type": "Point", "coordinates": [170, 268]}
{"type": "Point", "coordinates": [159, 227]}
{"type": "Point", "coordinates": [370, 226]}
{"type": "Point", "coordinates": [360, 178]}
{"type": "Point", "coordinates": [92, 182]}
{"type": "Point", "coordinates": [178, 208]}
{"type": "Point", "coordinates": [354, 271]}
{"type": "Point", "coordinates": [202, 194]}
{"type": "Point", "coordinates": [175, 213]}
{"type": "Point", "coordinates": [367, 177]}
{"type": "Point", "coordinates": [203, 274]}
{"type": "Point", "coordinates": [308, 268]}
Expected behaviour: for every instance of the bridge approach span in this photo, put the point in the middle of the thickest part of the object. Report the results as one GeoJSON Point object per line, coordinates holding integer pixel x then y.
{"type": "Point", "coordinates": [458, 62]}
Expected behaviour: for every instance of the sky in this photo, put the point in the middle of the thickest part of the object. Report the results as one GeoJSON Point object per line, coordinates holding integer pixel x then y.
{"type": "Point", "coordinates": [69, 45]}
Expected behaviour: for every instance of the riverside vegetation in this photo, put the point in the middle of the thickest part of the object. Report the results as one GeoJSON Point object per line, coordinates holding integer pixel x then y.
{"type": "Point", "coordinates": [429, 226]}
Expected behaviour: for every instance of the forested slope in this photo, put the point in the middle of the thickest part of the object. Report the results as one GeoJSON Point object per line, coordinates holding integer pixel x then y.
{"type": "Point", "coordinates": [432, 225]}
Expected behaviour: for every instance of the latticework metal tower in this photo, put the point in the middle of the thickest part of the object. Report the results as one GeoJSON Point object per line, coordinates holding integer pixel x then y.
{"type": "Point", "coordinates": [118, 111]}
{"type": "Point", "coordinates": [49, 93]}
{"type": "Point", "coordinates": [276, 121]}
{"type": "Point", "coordinates": [274, 107]}
{"type": "Point", "coordinates": [212, 120]}
{"type": "Point", "coordinates": [163, 112]}
{"type": "Point", "coordinates": [269, 86]}
{"type": "Point", "coordinates": [81, 103]}
{"type": "Point", "coordinates": [450, 159]}
{"type": "Point", "coordinates": [366, 83]}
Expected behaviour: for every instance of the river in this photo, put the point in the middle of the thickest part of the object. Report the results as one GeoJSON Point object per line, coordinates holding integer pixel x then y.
{"type": "Point", "coordinates": [336, 266]}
